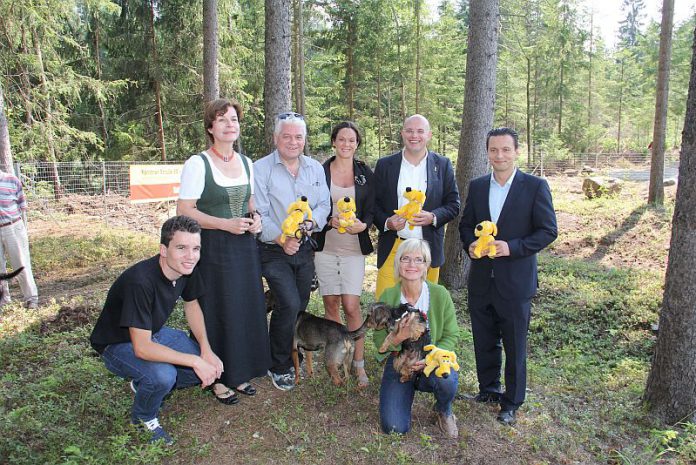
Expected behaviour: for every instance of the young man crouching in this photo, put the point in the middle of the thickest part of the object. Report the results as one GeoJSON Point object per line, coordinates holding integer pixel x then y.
{"type": "Point", "coordinates": [130, 334]}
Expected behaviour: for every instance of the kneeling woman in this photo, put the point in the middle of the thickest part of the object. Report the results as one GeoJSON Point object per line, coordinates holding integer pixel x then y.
{"type": "Point", "coordinates": [434, 301]}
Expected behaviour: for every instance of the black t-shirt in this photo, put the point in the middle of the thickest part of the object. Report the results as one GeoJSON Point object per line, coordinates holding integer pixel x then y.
{"type": "Point", "coordinates": [142, 297]}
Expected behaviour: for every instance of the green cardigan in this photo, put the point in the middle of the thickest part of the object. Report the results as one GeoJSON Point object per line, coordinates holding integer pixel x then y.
{"type": "Point", "coordinates": [444, 331]}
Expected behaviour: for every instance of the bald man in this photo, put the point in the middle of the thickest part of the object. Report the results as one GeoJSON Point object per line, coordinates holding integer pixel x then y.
{"type": "Point", "coordinates": [416, 167]}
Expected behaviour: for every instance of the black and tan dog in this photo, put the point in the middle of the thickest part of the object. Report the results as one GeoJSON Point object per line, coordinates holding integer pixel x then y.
{"type": "Point", "coordinates": [6, 276]}
{"type": "Point", "coordinates": [388, 318]}
{"type": "Point", "coordinates": [314, 333]}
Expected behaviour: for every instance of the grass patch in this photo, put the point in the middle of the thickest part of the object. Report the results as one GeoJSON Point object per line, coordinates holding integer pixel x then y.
{"type": "Point", "coordinates": [589, 353]}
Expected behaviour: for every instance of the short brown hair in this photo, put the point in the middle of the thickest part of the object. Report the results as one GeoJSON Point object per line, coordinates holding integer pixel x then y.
{"type": "Point", "coordinates": [217, 108]}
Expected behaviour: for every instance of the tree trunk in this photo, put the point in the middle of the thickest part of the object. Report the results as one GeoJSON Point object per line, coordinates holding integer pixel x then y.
{"type": "Point", "coordinates": [299, 77]}
{"type": "Point", "coordinates": [97, 62]}
{"type": "Point", "coordinates": [417, 8]}
{"type": "Point", "coordinates": [379, 111]}
{"type": "Point", "coordinates": [529, 111]}
{"type": "Point", "coordinates": [560, 102]}
{"type": "Point", "coordinates": [390, 119]}
{"type": "Point", "coordinates": [589, 82]}
{"type": "Point", "coordinates": [24, 79]}
{"type": "Point", "coordinates": [402, 84]}
{"type": "Point", "coordinates": [350, 68]}
{"type": "Point", "coordinates": [656, 191]}
{"type": "Point", "coordinates": [618, 132]}
{"type": "Point", "coordinates": [211, 79]}
{"type": "Point", "coordinates": [5, 147]}
{"type": "Point", "coordinates": [298, 63]}
{"type": "Point", "coordinates": [157, 83]}
{"type": "Point", "coordinates": [670, 393]}
{"type": "Point", "coordinates": [477, 120]}
{"type": "Point", "coordinates": [48, 120]}
{"type": "Point", "coordinates": [276, 89]}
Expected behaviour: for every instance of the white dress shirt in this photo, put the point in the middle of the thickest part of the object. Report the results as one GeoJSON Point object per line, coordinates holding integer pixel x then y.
{"type": "Point", "coordinates": [415, 177]}
{"type": "Point", "coordinates": [497, 195]}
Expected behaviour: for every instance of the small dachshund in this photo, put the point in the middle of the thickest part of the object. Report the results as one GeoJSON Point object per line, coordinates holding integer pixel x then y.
{"type": "Point", "coordinates": [315, 333]}
{"type": "Point", "coordinates": [387, 317]}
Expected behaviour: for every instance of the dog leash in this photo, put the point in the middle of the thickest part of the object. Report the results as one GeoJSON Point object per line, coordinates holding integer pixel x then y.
{"type": "Point", "coordinates": [301, 234]}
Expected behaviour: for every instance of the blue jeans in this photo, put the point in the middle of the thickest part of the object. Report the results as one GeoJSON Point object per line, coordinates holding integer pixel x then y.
{"type": "Point", "coordinates": [152, 380]}
{"type": "Point", "coordinates": [290, 278]}
{"type": "Point", "coordinates": [396, 398]}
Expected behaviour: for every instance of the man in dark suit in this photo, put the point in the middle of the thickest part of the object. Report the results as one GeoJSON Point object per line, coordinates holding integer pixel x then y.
{"type": "Point", "coordinates": [418, 168]}
{"type": "Point", "coordinates": [501, 288]}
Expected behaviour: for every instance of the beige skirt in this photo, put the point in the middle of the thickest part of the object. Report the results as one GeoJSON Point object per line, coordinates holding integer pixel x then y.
{"type": "Point", "coordinates": [339, 275]}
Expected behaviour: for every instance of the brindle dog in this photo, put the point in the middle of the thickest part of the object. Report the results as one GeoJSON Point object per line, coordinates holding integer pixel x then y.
{"type": "Point", "coordinates": [411, 348]}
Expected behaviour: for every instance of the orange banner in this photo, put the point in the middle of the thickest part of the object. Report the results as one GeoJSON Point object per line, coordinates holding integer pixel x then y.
{"type": "Point", "coordinates": [154, 183]}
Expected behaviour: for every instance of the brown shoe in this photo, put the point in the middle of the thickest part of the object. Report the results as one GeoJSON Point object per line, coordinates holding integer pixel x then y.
{"type": "Point", "coordinates": [448, 425]}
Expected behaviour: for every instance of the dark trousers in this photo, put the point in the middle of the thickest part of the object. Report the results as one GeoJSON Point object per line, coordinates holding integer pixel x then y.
{"type": "Point", "coordinates": [290, 278]}
{"type": "Point", "coordinates": [498, 323]}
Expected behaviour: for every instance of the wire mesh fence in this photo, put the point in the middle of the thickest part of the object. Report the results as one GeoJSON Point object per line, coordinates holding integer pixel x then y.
{"type": "Point", "coordinates": [99, 187]}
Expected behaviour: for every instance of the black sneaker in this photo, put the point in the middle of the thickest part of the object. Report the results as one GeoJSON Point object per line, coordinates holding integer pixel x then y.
{"type": "Point", "coordinates": [156, 431]}
{"type": "Point", "coordinates": [284, 382]}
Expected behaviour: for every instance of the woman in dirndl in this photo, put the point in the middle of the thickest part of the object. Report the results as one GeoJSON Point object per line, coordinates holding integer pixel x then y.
{"type": "Point", "coordinates": [217, 190]}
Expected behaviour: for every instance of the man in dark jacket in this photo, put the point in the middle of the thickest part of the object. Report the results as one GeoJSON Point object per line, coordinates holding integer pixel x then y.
{"type": "Point", "coordinates": [501, 288]}
{"type": "Point", "coordinates": [418, 168]}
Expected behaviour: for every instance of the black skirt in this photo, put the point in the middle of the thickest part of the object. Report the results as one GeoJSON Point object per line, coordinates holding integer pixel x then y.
{"type": "Point", "coordinates": [233, 304]}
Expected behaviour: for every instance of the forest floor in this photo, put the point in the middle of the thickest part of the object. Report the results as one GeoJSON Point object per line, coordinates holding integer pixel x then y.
{"type": "Point", "coordinates": [616, 241]}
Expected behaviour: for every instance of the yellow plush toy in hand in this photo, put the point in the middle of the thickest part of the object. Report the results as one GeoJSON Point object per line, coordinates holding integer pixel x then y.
{"type": "Point", "coordinates": [298, 213]}
{"type": "Point", "coordinates": [441, 360]}
{"type": "Point", "coordinates": [346, 213]}
{"type": "Point", "coordinates": [416, 199]}
{"type": "Point", "coordinates": [485, 231]}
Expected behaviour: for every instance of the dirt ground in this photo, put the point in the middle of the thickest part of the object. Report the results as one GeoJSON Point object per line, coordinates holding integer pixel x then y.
{"type": "Point", "coordinates": [273, 426]}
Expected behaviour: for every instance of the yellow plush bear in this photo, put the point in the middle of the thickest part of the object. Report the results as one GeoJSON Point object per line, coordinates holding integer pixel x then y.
{"type": "Point", "coordinates": [485, 231]}
{"type": "Point", "coordinates": [346, 213]}
{"type": "Point", "coordinates": [298, 213]}
{"type": "Point", "coordinates": [441, 360]}
{"type": "Point", "coordinates": [416, 199]}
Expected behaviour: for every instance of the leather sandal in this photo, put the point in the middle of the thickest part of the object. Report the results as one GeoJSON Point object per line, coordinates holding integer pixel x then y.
{"type": "Point", "coordinates": [363, 380]}
{"type": "Point", "coordinates": [248, 390]}
{"type": "Point", "coordinates": [227, 397]}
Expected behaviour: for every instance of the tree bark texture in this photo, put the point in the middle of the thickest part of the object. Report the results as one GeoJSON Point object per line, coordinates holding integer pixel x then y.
{"type": "Point", "coordinates": [350, 67]}
{"type": "Point", "coordinates": [277, 95]}
{"type": "Point", "coordinates": [47, 126]}
{"type": "Point", "coordinates": [299, 77]}
{"type": "Point", "coordinates": [656, 191]}
{"type": "Point", "coordinates": [5, 148]}
{"type": "Point", "coordinates": [97, 63]}
{"type": "Point", "coordinates": [157, 83]}
{"type": "Point", "coordinates": [417, 8]}
{"type": "Point", "coordinates": [618, 131]}
{"type": "Point", "coordinates": [671, 388]}
{"type": "Point", "coordinates": [477, 120]}
{"type": "Point", "coordinates": [211, 79]}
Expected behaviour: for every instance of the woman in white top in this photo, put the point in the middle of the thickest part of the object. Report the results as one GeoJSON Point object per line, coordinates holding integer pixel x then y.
{"type": "Point", "coordinates": [217, 191]}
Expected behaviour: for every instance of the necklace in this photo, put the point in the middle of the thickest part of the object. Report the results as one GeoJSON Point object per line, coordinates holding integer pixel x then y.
{"type": "Point", "coordinates": [224, 158]}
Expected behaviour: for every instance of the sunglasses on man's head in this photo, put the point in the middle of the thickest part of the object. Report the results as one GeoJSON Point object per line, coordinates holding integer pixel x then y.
{"type": "Point", "coordinates": [290, 115]}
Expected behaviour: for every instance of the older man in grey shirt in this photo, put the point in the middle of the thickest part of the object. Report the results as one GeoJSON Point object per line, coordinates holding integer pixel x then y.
{"type": "Point", "coordinates": [280, 178]}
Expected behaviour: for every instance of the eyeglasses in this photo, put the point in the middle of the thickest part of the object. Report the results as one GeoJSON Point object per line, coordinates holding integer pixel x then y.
{"type": "Point", "coordinates": [290, 115]}
{"type": "Point", "coordinates": [411, 132]}
{"type": "Point", "coordinates": [409, 260]}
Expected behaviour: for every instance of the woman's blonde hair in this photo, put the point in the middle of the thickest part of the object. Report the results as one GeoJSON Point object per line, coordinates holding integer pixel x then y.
{"type": "Point", "coordinates": [410, 246]}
